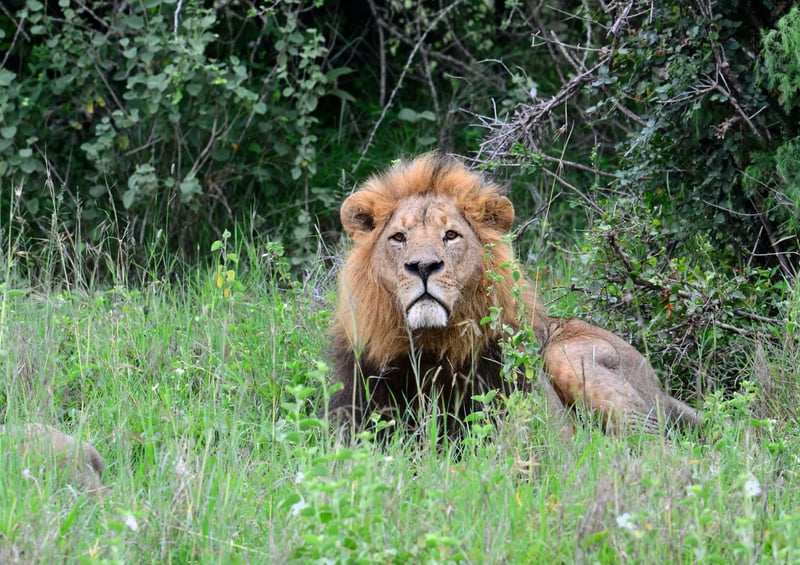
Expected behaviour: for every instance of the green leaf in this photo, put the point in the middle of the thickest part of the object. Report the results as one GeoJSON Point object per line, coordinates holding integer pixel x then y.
{"type": "Point", "coordinates": [127, 198]}
{"type": "Point", "coordinates": [408, 115]}
{"type": "Point", "coordinates": [6, 77]}
{"type": "Point", "coordinates": [135, 22]}
{"type": "Point", "coordinates": [333, 74]}
{"type": "Point", "coordinates": [68, 520]}
{"type": "Point", "coordinates": [28, 166]}
{"type": "Point", "coordinates": [190, 187]}
{"type": "Point", "coordinates": [343, 95]}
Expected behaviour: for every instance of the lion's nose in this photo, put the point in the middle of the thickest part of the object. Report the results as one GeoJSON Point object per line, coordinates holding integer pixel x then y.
{"type": "Point", "coordinates": [424, 269]}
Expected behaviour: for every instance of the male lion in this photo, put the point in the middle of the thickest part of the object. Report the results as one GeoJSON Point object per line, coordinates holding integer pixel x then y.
{"type": "Point", "coordinates": [422, 274]}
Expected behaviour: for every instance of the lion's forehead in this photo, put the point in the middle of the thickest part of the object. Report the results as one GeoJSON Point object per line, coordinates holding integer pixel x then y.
{"type": "Point", "coordinates": [430, 211]}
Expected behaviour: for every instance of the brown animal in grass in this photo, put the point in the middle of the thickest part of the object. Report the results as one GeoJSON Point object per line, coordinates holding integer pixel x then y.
{"type": "Point", "coordinates": [427, 234]}
{"type": "Point", "coordinates": [76, 462]}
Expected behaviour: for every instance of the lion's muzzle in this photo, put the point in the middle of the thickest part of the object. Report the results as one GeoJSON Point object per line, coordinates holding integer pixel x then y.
{"type": "Point", "coordinates": [427, 310]}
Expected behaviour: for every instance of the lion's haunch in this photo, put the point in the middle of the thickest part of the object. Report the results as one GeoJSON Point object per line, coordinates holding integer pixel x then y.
{"type": "Point", "coordinates": [428, 245]}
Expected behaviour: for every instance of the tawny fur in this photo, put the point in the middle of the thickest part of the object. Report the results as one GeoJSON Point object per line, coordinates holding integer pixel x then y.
{"type": "Point", "coordinates": [76, 462]}
{"type": "Point", "coordinates": [406, 217]}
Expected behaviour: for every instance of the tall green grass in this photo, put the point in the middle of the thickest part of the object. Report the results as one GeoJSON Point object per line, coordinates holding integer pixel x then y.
{"type": "Point", "coordinates": [205, 403]}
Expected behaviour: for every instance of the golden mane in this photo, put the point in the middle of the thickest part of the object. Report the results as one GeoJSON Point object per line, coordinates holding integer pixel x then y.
{"type": "Point", "coordinates": [368, 312]}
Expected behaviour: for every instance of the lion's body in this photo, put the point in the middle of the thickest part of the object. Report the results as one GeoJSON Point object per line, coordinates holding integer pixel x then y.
{"type": "Point", "coordinates": [594, 367]}
{"type": "Point", "coordinates": [428, 264]}
{"type": "Point", "coordinates": [78, 462]}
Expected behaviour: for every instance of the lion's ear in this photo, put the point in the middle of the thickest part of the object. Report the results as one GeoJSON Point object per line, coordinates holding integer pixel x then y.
{"type": "Point", "coordinates": [357, 214]}
{"type": "Point", "coordinates": [498, 213]}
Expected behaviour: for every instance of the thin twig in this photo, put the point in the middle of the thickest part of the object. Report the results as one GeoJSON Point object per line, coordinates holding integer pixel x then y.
{"type": "Point", "coordinates": [94, 16]}
{"type": "Point", "coordinates": [581, 167]}
{"type": "Point", "coordinates": [785, 267]}
{"type": "Point", "coordinates": [19, 31]}
{"type": "Point", "coordinates": [530, 117]}
{"type": "Point", "coordinates": [756, 317]}
{"type": "Point", "coordinates": [443, 58]}
{"type": "Point", "coordinates": [442, 13]}
{"type": "Point", "coordinates": [566, 184]}
{"type": "Point", "coordinates": [382, 48]}
{"type": "Point", "coordinates": [176, 19]}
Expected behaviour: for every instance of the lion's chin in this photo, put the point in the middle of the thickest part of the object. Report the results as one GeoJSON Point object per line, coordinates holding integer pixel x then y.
{"type": "Point", "coordinates": [427, 313]}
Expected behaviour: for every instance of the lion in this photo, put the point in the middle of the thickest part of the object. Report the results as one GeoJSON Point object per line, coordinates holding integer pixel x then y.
{"type": "Point", "coordinates": [77, 462]}
{"type": "Point", "coordinates": [428, 262]}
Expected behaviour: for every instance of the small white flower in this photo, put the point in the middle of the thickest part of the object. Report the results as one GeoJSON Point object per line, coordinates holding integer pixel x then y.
{"type": "Point", "coordinates": [181, 468]}
{"type": "Point", "coordinates": [752, 487]}
{"type": "Point", "coordinates": [179, 371]}
{"type": "Point", "coordinates": [625, 522]}
{"type": "Point", "coordinates": [27, 474]}
{"type": "Point", "coordinates": [130, 521]}
{"type": "Point", "coordinates": [298, 478]}
{"type": "Point", "coordinates": [298, 506]}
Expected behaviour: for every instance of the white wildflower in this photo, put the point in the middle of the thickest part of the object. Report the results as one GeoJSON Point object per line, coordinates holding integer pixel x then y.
{"type": "Point", "coordinates": [181, 468]}
{"type": "Point", "coordinates": [625, 522]}
{"type": "Point", "coordinates": [297, 507]}
{"type": "Point", "coordinates": [752, 487]}
{"type": "Point", "coordinates": [130, 521]}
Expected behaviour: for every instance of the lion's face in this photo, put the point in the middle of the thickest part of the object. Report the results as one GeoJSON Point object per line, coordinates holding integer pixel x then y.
{"type": "Point", "coordinates": [418, 262]}
{"type": "Point", "coordinates": [428, 256]}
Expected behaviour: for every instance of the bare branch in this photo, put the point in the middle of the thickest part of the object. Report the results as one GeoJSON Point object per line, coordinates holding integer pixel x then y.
{"type": "Point", "coordinates": [442, 13]}
{"type": "Point", "coordinates": [457, 64]}
{"type": "Point", "coordinates": [528, 119]}
{"type": "Point", "coordinates": [622, 19]}
{"type": "Point", "coordinates": [786, 269]}
{"type": "Point", "coordinates": [19, 31]}
{"type": "Point", "coordinates": [382, 48]}
{"type": "Point", "coordinates": [176, 19]}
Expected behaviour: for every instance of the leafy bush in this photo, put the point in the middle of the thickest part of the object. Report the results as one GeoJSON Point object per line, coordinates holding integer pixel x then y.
{"type": "Point", "coordinates": [160, 115]}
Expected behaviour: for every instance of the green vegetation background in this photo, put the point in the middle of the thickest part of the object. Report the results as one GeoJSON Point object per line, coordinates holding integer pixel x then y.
{"type": "Point", "coordinates": [651, 152]}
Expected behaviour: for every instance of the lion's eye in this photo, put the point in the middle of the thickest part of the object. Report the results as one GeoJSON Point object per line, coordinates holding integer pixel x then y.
{"type": "Point", "coordinates": [450, 235]}
{"type": "Point", "coordinates": [399, 237]}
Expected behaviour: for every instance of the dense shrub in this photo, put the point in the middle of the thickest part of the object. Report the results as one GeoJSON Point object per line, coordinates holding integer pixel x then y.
{"type": "Point", "coordinates": [163, 115]}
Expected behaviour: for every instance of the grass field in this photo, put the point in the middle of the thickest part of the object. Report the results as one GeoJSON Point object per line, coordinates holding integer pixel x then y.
{"type": "Point", "coordinates": [201, 390]}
